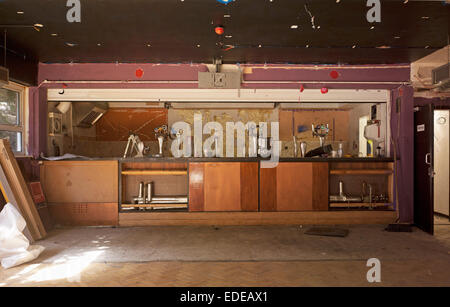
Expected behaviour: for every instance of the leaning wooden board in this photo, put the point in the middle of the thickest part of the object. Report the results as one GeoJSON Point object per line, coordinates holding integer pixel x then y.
{"type": "Point", "coordinates": [9, 197]}
{"type": "Point", "coordinates": [20, 190]}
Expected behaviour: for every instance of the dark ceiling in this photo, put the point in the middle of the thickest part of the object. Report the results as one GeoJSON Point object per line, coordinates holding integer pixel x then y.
{"type": "Point", "coordinates": [121, 30]}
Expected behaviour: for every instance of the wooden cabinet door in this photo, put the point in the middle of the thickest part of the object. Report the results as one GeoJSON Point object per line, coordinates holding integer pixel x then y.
{"type": "Point", "coordinates": [223, 186]}
{"type": "Point", "coordinates": [294, 186]}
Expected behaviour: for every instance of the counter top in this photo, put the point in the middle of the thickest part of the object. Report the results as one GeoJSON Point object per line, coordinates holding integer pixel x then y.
{"type": "Point", "coordinates": [225, 159]}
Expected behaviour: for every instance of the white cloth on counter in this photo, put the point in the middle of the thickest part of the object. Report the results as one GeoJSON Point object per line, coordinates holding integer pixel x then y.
{"type": "Point", "coordinates": [15, 248]}
{"type": "Point", "coordinates": [65, 157]}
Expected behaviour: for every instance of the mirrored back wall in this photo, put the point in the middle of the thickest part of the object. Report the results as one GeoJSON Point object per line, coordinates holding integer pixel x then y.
{"type": "Point", "coordinates": [109, 133]}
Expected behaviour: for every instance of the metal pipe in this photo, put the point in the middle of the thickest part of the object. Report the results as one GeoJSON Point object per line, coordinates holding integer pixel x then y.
{"type": "Point", "coordinates": [196, 81]}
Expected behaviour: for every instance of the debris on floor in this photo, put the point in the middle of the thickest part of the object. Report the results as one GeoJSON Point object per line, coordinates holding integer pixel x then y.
{"type": "Point", "coordinates": [327, 231]}
{"type": "Point", "coordinates": [399, 228]}
{"type": "Point", "coordinates": [15, 248]}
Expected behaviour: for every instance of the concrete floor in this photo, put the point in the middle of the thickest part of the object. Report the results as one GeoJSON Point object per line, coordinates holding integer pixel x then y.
{"type": "Point", "coordinates": [234, 256]}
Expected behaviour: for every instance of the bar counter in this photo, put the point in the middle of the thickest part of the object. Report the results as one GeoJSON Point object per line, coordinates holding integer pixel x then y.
{"type": "Point", "coordinates": [225, 191]}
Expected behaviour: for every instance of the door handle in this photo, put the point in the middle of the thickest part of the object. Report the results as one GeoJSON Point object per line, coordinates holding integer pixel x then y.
{"type": "Point", "coordinates": [428, 158]}
{"type": "Point", "coordinates": [431, 172]}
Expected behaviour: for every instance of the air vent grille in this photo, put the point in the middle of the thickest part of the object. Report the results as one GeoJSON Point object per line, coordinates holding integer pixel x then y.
{"type": "Point", "coordinates": [91, 118]}
{"type": "Point", "coordinates": [441, 73]}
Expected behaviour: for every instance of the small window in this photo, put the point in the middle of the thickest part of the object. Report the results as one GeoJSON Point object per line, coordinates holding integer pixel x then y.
{"type": "Point", "coordinates": [11, 118]}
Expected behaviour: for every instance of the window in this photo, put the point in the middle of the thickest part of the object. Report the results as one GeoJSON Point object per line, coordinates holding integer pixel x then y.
{"type": "Point", "coordinates": [12, 117]}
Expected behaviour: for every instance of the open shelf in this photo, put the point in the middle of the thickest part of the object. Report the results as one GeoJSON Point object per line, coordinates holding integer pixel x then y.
{"type": "Point", "coordinates": [170, 179]}
{"type": "Point", "coordinates": [358, 205]}
{"type": "Point", "coordinates": [154, 205]}
{"type": "Point", "coordinates": [361, 172]}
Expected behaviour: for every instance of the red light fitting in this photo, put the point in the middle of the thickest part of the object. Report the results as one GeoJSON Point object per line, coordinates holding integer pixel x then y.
{"type": "Point", "coordinates": [324, 90]}
{"type": "Point", "coordinates": [219, 30]}
{"type": "Point", "coordinates": [139, 72]}
{"type": "Point", "coordinates": [334, 74]}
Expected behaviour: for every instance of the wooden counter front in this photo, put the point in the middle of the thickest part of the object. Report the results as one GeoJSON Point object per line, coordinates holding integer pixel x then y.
{"type": "Point", "coordinates": [81, 192]}
{"type": "Point", "coordinates": [294, 186]}
{"type": "Point", "coordinates": [223, 186]}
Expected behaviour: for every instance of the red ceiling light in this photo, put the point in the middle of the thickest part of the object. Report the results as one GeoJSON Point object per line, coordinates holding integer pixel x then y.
{"type": "Point", "coordinates": [219, 30]}
{"type": "Point", "coordinates": [324, 90]}
{"type": "Point", "coordinates": [334, 74]}
{"type": "Point", "coordinates": [139, 72]}
{"type": "Point", "coordinates": [302, 88]}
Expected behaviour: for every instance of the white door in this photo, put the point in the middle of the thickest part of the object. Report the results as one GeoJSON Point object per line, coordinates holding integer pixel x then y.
{"type": "Point", "coordinates": [441, 161]}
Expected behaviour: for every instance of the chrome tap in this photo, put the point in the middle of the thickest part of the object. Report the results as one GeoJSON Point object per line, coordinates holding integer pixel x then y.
{"type": "Point", "coordinates": [295, 146]}
{"type": "Point", "coordinates": [370, 195]}
{"type": "Point", "coordinates": [341, 191]}
{"type": "Point", "coordinates": [253, 140]}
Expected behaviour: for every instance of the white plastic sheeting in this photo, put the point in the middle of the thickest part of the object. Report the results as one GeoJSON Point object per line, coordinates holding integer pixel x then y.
{"type": "Point", "coordinates": [15, 248]}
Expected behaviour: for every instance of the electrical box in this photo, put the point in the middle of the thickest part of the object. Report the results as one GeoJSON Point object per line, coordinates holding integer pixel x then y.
{"type": "Point", "coordinates": [219, 80]}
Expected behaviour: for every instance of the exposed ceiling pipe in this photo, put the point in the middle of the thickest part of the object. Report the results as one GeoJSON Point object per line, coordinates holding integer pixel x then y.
{"type": "Point", "coordinates": [195, 81]}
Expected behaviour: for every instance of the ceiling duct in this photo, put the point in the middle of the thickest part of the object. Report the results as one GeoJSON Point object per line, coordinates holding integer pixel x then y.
{"type": "Point", "coordinates": [89, 116]}
{"type": "Point", "coordinates": [218, 79]}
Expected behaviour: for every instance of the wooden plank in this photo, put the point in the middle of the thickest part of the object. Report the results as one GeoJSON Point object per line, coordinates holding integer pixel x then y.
{"type": "Point", "coordinates": [196, 189]}
{"type": "Point", "coordinates": [320, 193]}
{"type": "Point", "coordinates": [257, 218]}
{"type": "Point", "coordinates": [222, 186]}
{"type": "Point", "coordinates": [294, 186]}
{"type": "Point", "coordinates": [20, 191]}
{"type": "Point", "coordinates": [267, 189]}
{"type": "Point", "coordinates": [249, 186]}
{"type": "Point", "coordinates": [8, 196]}
{"type": "Point", "coordinates": [84, 214]}
{"type": "Point", "coordinates": [154, 165]}
{"type": "Point", "coordinates": [155, 172]}
{"type": "Point", "coordinates": [361, 172]}
{"type": "Point", "coordinates": [80, 181]}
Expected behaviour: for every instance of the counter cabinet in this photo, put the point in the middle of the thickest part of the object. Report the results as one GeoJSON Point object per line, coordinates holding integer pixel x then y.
{"type": "Point", "coordinates": [81, 192]}
{"type": "Point", "coordinates": [95, 192]}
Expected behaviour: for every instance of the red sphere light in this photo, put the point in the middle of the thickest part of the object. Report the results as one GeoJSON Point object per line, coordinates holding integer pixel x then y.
{"type": "Point", "coordinates": [219, 30]}
{"type": "Point", "coordinates": [302, 88]}
{"type": "Point", "coordinates": [334, 74]}
{"type": "Point", "coordinates": [139, 72]}
{"type": "Point", "coordinates": [324, 90]}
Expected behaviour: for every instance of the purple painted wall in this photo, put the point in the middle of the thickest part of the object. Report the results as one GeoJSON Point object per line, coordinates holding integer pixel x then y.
{"type": "Point", "coordinates": [291, 76]}
{"type": "Point", "coordinates": [402, 132]}
{"type": "Point", "coordinates": [392, 77]}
